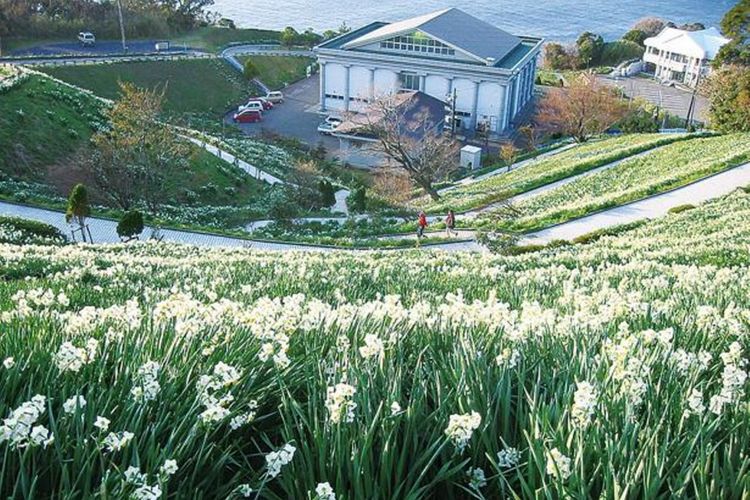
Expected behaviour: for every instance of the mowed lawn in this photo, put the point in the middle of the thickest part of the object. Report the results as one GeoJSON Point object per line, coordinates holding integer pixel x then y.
{"type": "Point", "coordinates": [276, 71]}
{"type": "Point", "coordinates": [208, 86]}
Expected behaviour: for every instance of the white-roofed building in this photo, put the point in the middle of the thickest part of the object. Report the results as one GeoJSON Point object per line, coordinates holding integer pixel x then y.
{"type": "Point", "coordinates": [446, 53]}
{"type": "Point", "coordinates": [682, 56]}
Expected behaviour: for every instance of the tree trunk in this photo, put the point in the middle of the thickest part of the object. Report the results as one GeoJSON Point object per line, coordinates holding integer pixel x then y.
{"type": "Point", "coordinates": [427, 186]}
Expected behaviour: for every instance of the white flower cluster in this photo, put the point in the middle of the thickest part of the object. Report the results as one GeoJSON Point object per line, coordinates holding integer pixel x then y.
{"type": "Point", "coordinates": [733, 379]}
{"type": "Point", "coordinates": [373, 347]}
{"type": "Point", "coordinates": [339, 403]}
{"type": "Point", "coordinates": [558, 465]}
{"type": "Point", "coordinates": [75, 403]}
{"type": "Point", "coordinates": [508, 358]}
{"type": "Point", "coordinates": [223, 377]}
{"type": "Point", "coordinates": [584, 403]}
{"type": "Point", "coordinates": [146, 387]}
{"type": "Point", "coordinates": [244, 418]}
{"type": "Point", "coordinates": [324, 491]}
{"type": "Point", "coordinates": [461, 427]}
{"type": "Point", "coordinates": [19, 428]}
{"type": "Point", "coordinates": [275, 460]}
{"type": "Point", "coordinates": [117, 441]}
{"type": "Point", "coordinates": [477, 478]}
{"type": "Point", "coordinates": [72, 358]}
{"type": "Point", "coordinates": [508, 458]}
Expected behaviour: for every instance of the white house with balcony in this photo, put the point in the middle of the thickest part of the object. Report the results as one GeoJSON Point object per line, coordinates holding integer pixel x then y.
{"type": "Point", "coordinates": [444, 54]}
{"type": "Point", "coordinates": [682, 56]}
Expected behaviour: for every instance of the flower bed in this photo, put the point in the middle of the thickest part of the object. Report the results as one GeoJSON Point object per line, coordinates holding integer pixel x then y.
{"type": "Point", "coordinates": [154, 370]}
{"type": "Point", "coordinates": [670, 167]}
{"type": "Point", "coordinates": [549, 169]}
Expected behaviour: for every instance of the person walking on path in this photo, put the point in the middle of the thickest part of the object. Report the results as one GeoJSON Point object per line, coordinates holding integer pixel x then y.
{"type": "Point", "coordinates": [421, 224]}
{"type": "Point", "coordinates": [450, 224]}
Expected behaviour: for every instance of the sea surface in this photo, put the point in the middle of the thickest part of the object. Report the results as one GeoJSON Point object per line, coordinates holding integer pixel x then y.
{"type": "Point", "coordinates": [560, 20]}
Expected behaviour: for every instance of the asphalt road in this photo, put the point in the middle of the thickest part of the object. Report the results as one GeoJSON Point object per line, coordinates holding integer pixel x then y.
{"type": "Point", "coordinates": [101, 48]}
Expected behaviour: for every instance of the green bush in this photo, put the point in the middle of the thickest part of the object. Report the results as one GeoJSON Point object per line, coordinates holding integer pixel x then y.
{"type": "Point", "coordinates": [327, 192]}
{"type": "Point", "coordinates": [19, 231]}
{"type": "Point", "coordinates": [619, 51]}
{"type": "Point", "coordinates": [681, 208]}
{"type": "Point", "coordinates": [130, 225]}
{"type": "Point", "coordinates": [357, 201]}
{"type": "Point", "coordinates": [593, 236]}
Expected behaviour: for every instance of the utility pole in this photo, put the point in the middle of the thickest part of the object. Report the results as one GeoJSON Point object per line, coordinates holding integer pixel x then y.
{"type": "Point", "coordinates": [691, 108]}
{"type": "Point", "coordinates": [452, 99]}
{"type": "Point", "coordinates": [122, 25]}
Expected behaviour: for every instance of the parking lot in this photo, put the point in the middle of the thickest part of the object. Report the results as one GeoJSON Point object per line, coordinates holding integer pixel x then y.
{"type": "Point", "coordinates": [297, 117]}
{"type": "Point", "coordinates": [675, 100]}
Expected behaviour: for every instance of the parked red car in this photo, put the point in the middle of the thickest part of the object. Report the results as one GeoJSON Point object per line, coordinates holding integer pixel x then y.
{"type": "Point", "coordinates": [264, 102]}
{"type": "Point", "coordinates": [248, 116]}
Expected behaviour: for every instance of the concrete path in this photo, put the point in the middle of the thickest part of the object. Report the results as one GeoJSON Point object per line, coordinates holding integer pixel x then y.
{"type": "Point", "coordinates": [105, 231]}
{"type": "Point", "coordinates": [230, 158]}
{"type": "Point", "coordinates": [649, 208]}
{"type": "Point", "coordinates": [554, 185]}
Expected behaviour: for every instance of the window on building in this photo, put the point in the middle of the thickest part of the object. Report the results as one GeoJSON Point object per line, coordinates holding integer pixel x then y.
{"type": "Point", "coordinates": [409, 81]}
{"type": "Point", "coordinates": [417, 42]}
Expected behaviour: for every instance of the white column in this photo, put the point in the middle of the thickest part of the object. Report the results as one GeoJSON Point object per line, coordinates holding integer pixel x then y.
{"type": "Point", "coordinates": [372, 84]}
{"type": "Point", "coordinates": [475, 105]}
{"type": "Point", "coordinates": [508, 88]}
{"type": "Point", "coordinates": [322, 86]}
{"type": "Point", "coordinates": [516, 91]}
{"type": "Point", "coordinates": [346, 86]}
{"type": "Point", "coordinates": [422, 79]}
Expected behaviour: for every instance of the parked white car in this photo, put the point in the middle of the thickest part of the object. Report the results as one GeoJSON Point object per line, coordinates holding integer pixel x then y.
{"type": "Point", "coordinates": [86, 38]}
{"type": "Point", "coordinates": [275, 97]}
{"type": "Point", "coordinates": [252, 105]}
{"type": "Point", "coordinates": [329, 125]}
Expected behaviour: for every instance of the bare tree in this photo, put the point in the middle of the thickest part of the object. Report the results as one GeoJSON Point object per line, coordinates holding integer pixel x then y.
{"type": "Point", "coordinates": [393, 184]}
{"type": "Point", "coordinates": [585, 108]}
{"type": "Point", "coordinates": [133, 159]}
{"type": "Point", "coordinates": [411, 139]}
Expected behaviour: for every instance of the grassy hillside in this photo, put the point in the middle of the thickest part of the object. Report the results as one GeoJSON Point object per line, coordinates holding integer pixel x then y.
{"type": "Point", "coordinates": [214, 39]}
{"type": "Point", "coordinates": [208, 86]}
{"type": "Point", "coordinates": [277, 72]}
{"type": "Point", "coordinates": [45, 128]}
{"type": "Point", "coordinates": [574, 373]}
{"type": "Point", "coordinates": [43, 123]}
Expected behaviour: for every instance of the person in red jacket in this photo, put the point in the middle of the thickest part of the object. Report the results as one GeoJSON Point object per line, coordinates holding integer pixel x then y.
{"type": "Point", "coordinates": [421, 223]}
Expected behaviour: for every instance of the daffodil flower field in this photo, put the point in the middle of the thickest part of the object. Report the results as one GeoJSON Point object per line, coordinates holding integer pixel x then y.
{"type": "Point", "coordinates": [657, 171]}
{"type": "Point", "coordinates": [611, 370]}
{"type": "Point", "coordinates": [545, 170]}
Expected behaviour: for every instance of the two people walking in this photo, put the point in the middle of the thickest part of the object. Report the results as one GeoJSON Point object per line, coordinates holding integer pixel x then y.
{"type": "Point", "coordinates": [450, 224]}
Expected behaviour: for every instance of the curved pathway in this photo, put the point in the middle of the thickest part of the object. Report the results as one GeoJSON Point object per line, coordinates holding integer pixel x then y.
{"type": "Point", "coordinates": [656, 206]}
{"type": "Point", "coordinates": [105, 231]}
{"type": "Point", "coordinates": [230, 53]}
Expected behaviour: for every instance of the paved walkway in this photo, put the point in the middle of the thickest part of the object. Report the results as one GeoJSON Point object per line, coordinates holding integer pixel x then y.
{"type": "Point", "coordinates": [230, 53]}
{"type": "Point", "coordinates": [650, 208]}
{"type": "Point", "coordinates": [105, 231]}
{"type": "Point", "coordinates": [230, 158]}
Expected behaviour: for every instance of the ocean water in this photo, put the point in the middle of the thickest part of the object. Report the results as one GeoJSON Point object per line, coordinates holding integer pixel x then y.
{"type": "Point", "coordinates": [559, 20]}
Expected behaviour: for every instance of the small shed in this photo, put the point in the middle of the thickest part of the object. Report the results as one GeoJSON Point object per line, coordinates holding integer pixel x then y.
{"type": "Point", "coordinates": [471, 157]}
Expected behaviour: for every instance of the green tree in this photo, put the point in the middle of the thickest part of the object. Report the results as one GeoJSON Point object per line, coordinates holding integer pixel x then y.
{"type": "Point", "coordinates": [736, 25]}
{"type": "Point", "coordinates": [728, 90]}
{"type": "Point", "coordinates": [289, 36]}
{"type": "Point", "coordinates": [635, 36]}
{"type": "Point", "coordinates": [327, 193]}
{"type": "Point", "coordinates": [78, 207]}
{"type": "Point", "coordinates": [357, 201]}
{"type": "Point", "coordinates": [590, 46]}
{"type": "Point", "coordinates": [250, 70]}
{"type": "Point", "coordinates": [130, 225]}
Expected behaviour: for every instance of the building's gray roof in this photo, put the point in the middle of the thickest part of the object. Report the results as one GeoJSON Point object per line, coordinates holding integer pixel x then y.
{"type": "Point", "coordinates": [454, 27]}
